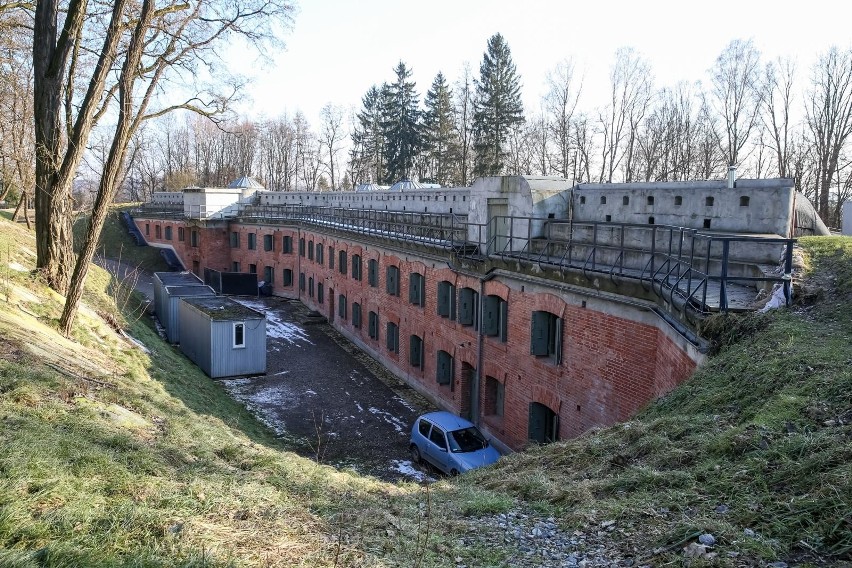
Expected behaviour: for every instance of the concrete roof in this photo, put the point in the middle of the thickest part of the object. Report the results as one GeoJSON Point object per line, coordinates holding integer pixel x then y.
{"type": "Point", "coordinates": [220, 308]}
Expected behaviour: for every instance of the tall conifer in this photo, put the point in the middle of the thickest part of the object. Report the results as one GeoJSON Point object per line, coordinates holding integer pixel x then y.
{"type": "Point", "coordinates": [497, 107]}
{"type": "Point", "coordinates": [401, 126]}
{"type": "Point", "coordinates": [440, 133]}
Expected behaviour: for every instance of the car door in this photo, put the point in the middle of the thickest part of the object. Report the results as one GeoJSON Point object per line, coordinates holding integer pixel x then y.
{"type": "Point", "coordinates": [437, 449]}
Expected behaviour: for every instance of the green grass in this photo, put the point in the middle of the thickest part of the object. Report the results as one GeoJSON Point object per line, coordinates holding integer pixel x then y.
{"type": "Point", "coordinates": [115, 244]}
{"type": "Point", "coordinates": [154, 465]}
{"type": "Point", "coordinates": [764, 428]}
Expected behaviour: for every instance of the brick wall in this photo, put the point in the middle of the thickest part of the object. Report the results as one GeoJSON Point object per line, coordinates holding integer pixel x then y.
{"type": "Point", "coordinates": [616, 358]}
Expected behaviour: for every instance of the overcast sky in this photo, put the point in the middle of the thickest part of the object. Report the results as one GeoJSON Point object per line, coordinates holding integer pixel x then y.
{"type": "Point", "coordinates": [339, 48]}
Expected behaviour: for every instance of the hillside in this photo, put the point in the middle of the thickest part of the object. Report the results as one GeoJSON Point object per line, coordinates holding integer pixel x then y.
{"type": "Point", "coordinates": [112, 457]}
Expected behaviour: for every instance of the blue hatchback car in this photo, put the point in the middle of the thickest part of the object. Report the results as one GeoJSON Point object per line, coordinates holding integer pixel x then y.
{"type": "Point", "coordinates": [450, 443]}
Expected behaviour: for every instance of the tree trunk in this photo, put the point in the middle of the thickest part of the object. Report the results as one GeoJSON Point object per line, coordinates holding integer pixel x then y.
{"type": "Point", "coordinates": [112, 169]}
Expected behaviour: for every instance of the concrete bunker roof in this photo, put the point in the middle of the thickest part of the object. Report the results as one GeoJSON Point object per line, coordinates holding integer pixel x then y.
{"type": "Point", "coordinates": [741, 183]}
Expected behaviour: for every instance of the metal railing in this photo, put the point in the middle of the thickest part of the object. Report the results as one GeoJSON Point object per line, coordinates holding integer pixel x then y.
{"type": "Point", "coordinates": [689, 268]}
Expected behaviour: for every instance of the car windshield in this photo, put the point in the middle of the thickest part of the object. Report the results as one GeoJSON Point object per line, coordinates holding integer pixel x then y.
{"type": "Point", "coordinates": [467, 440]}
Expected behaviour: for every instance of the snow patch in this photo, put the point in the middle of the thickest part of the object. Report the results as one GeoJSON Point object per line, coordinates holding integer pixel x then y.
{"type": "Point", "coordinates": [405, 403]}
{"type": "Point", "coordinates": [17, 267]}
{"type": "Point", "coordinates": [276, 327]}
{"type": "Point", "coordinates": [265, 401]}
{"type": "Point", "coordinates": [407, 469]}
{"type": "Point", "coordinates": [397, 423]}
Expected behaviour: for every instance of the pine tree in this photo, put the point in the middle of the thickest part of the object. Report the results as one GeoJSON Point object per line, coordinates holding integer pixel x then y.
{"type": "Point", "coordinates": [367, 153]}
{"type": "Point", "coordinates": [401, 126]}
{"type": "Point", "coordinates": [497, 107]}
{"type": "Point", "coordinates": [440, 133]}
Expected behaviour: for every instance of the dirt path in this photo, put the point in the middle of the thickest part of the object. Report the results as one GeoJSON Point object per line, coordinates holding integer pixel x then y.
{"type": "Point", "coordinates": [327, 398]}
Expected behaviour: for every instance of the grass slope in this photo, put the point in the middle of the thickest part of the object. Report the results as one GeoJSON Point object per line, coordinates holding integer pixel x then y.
{"type": "Point", "coordinates": [115, 244]}
{"type": "Point", "coordinates": [115, 458]}
{"type": "Point", "coordinates": [760, 438]}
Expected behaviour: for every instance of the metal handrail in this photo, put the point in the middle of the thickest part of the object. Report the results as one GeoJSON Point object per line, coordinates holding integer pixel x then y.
{"type": "Point", "coordinates": [665, 264]}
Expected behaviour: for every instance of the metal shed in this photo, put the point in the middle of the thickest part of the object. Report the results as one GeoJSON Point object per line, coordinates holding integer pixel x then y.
{"type": "Point", "coordinates": [233, 283]}
{"type": "Point", "coordinates": [223, 337]}
{"type": "Point", "coordinates": [169, 288]}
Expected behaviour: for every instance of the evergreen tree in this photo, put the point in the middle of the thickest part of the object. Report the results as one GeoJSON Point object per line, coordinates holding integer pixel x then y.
{"type": "Point", "coordinates": [401, 126]}
{"type": "Point", "coordinates": [440, 134]}
{"type": "Point", "coordinates": [497, 107]}
{"type": "Point", "coordinates": [367, 153]}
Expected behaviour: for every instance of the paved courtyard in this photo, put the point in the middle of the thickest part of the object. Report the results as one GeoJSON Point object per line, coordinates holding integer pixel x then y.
{"type": "Point", "coordinates": [330, 401]}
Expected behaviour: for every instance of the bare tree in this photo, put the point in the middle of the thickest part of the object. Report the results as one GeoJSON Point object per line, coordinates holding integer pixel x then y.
{"type": "Point", "coordinates": [16, 111]}
{"type": "Point", "coordinates": [464, 120]}
{"type": "Point", "coordinates": [829, 119]}
{"type": "Point", "coordinates": [630, 96]}
{"type": "Point", "coordinates": [330, 138]}
{"type": "Point", "coordinates": [777, 102]}
{"type": "Point", "coordinates": [158, 42]}
{"type": "Point", "coordinates": [560, 103]}
{"type": "Point", "coordinates": [735, 78]}
{"type": "Point", "coordinates": [278, 153]}
{"type": "Point", "coordinates": [585, 143]}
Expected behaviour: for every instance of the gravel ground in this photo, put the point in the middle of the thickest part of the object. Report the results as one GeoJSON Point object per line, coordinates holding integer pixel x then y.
{"type": "Point", "coordinates": [326, 398]}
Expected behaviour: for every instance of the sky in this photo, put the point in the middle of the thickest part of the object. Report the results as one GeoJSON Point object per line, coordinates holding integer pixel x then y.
{"type": "Point", "coordinates": [337, 49]}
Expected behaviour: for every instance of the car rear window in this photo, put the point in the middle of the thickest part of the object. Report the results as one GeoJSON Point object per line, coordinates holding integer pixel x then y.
{"type": "Point", "coordinates": [467, 440]}
{"type": "Point", "coordinates": [423, 427]}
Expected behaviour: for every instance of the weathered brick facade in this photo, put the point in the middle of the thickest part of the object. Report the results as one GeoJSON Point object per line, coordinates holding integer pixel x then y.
{"type": "Point", "coordinates": [615, 356]}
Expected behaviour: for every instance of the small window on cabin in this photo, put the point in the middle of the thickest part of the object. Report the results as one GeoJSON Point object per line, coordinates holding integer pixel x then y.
{"type": "Point", "coordinates": [706, 223]}
{"type": "Point", "coordinates": [239, 335]}
{"type": "Point", "coordinates": [678, 200]}
{"type": "Point", "coordinates": [603, 199]}
{"type": "Point", "coordinates": [650, 220]}
{"type": "Point", "coordinates": [650, 200]}
{"type": "Point", "coordinates": [582, 200]}
{"type": "Point", "coordinates": [608, 218]}
{"type": "Point", "coordinates": [744, 199]}
{"type": "Point", "coordinates": [708, 201]}
{"type": "Point", "coordinates": [625, 200]}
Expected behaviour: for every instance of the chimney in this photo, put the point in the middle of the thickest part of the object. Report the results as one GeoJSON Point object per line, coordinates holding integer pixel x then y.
{"type": "Point", "coordinates": [732, 177]}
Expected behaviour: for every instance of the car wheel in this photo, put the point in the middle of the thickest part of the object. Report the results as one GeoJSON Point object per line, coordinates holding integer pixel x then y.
{"type": "Point", "coordinates": [415, 454]}
{"type": "Point", "coordinates": [453, 472]}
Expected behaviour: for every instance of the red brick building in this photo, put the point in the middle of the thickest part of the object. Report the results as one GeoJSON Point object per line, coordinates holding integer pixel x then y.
{"type": "Point", "coordinates": [526, 350]}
